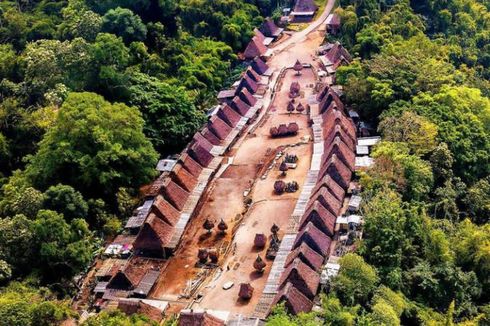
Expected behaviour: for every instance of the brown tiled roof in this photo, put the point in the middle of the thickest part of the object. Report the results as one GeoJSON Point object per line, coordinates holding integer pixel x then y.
{"type": "Point", "coordinates": [294, 301]}
{"type": "Point", "coordinates": [259, 66]}
{"type": "Point", "coordinates": [164, 210]}
{"type": "Point", "coordinates": [327, 100]}
{"type": "Point", "coordinates": [255, 48]}
{"type": "Point", "coordinates": [253, 75]}
{"type": "Point", "coordinates": [336, 51]}
{"type": "Point", "coordinates": [302, 276]}
{"type": "Point", "coordinates": [334, 21]}
{"type": "Point", "coordinates": [248, 83]}
{"type": "Point", "coordinates": [307, 255]}
{"type": "Point", "coordinates": [190, 318]}
{"type": "Point", "coordinates": [174, 194]}
{"type": "Point", "coordinates": [329, 183]}
{"type": "Point", "coordinates": [203, 141]}
{"type": "Point", "coordinates": [183, 177]}
{"type": "Point", "coordinates": [228, 115]}
{"type": "Point", "coordinates": [333, 117]}
{"type": "Point", "coordinates": [156, 186]}
{"type": "Point", "coordinates": [128, 277]}
{"type": "Point", "coordinates": [327, 200]}
{"type": "Point", "coordinates": [247, 97]}
{"type": "Point", "coordinates": [153, 237]}
{"type": "Point", "coordinates": [338, 131]}
{"type": "Point", "coordinates": [343, 152]}
{"type": "Point", "coordinates": [220, 128]}
{"type": "Point", "coordinates": [323, 91]}
{"type": "Point", "coordinates": [131, 307]}
{"type": "Point", "coordinates": [190, 164]}
{"type": "Point", "coordinates": [259, 35]}
{"type": "Point", "coordinates": [305, 6]}
{"type": "Point", "coordinates": [321, 217]}
{"type": "Point", "coordinates": [238, 105]}
{"type": "Point", "coordinates": [269, 28]}
{"type": "Point", "coordinates": [200, 154]}
{"type": "Point", "coordinates": [210, 136]}
{"type": "Point", "coordinates": [314, 238]}
{"type": "Point", "coordinates": [337, 170]}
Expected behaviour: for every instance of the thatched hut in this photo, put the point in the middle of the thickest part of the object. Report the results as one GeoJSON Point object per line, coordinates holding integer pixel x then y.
{"type": "Point", "coordinates": [259, 264]}
{"type": "Point", "coordinates": [260, 240]}
{"type": "Point", "coordinates": [298, 67]}
{"type": "Point", "coordinates": [246, 291]}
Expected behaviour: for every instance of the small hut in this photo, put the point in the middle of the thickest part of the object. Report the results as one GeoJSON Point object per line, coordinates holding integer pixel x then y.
{"type": "Point", "coordinates": [259, 264]}
{"type": "Point", "coordinates": [274, 132]}
{"type": "Point", "coordinates": [208, 225]}
{"type": "Point", "coordinates": [222, 227]}
{"type": "Point", "coordinates": [279, 187]}
{"type": "Point", "coordinates": [298, 67]}
{"type": "Point", "coordinates": [260, 240]}
{"type": "Point", "coordinates": [293, 128]}
{"type": "Point", "coordinates": [290, 107]}
{"type": "Point", "coordinates": [300, 108]}
{"type": "Point", "coordinates": [294, 90]}
{"type": "Point", "coordinates": [246, 291]}
{"type": "Point", "coordinates": [283, 168]}
{"type": "Point", "coordinates": [203, 255]}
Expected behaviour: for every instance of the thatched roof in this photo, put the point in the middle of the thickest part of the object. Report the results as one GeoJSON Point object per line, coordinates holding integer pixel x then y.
{"type": "Point", "coordinates": [238, 105]}
{"type": "Point", "coordinates": [210, 136]}
{"type": "Point", "coordinates": [220, 128]}
{"type": "Point", "coordinates": [270, 29]}
{"type": "Point", "coordinates": [302, 276]}
{"type": "Point", "coordinates": [328, 183]}
{"type": "Point", "coordinates": [183, 177]}
{"type": "Point", "coordinates": [294, 301]}
{"type": "Point", "coordinates": [200, 154]}
{"type": "Point", "coordinates": [314, 238]}
{"type": "Point", "coordinates": [338, 131]}
{"type": "Point", "coordinates": [337, 170]}
{"type": "Point", "coordinates": [320, 217]}
{"type": "Point", "coordinates": [327, 200]}
{"type": "Point", "coordinates": [190, 164]}
{"type": "Point", "coordinates": [343, 152]}
{"type": "Point", "coordinates": [255, 48]}
{"type": "Point", "coordinates": [246, 291]}
{"type": "Point", "coordinates": [165, 211]}
{"type": "Point", "coordinates": [174, 194]}
{"type": "Point", "coordinates": [248, 83]}
{"type": "Point", "coordinates": [305, 6]}
{"type": "Point", "coordinates": [230, 116]}
{"type": "Point", "coordinates": [307, 255]}
{"type": "Point", "coordinates": [259, 66]}
{"type": "Point", "coordinates": [247, 97]}
{"type": "Point", "coordinates": [153, 237]}
{"type": "Point", "coordinates": [203, 141]}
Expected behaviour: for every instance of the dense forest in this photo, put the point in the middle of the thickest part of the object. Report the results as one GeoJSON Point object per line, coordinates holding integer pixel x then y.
{"type": "Point", "coordinates": [92, 94]}
{"type": "Point", "coordinates": [421, 78]}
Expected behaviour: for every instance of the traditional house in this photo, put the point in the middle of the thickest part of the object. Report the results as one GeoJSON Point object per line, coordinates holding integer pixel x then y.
{"type": "Point", "coordinates": [228, 115]}
{"type": "Point", "coordinates": [307, 255]}
{"type": "Point", "coordinates": [335, 55]}
{"type": "Point", "coordinates": [200, 154]}
{"type": "Point", "coordinates": [203, 141]}
{"type": "Point", "coordinates": [246, 291]}
{"type": "Point", "coordinates": [210, 136]}
{"type": "Point", "coordinates": [327, 200]}
{"type": "Point", "coordinates": [220, 128]}
{"type": "Point", "coordinates": [127, 278]}
{"type": "Point", "coordinates": [338, 131]}
{"type": "Point", "coordinates": [295, 302]}
{"type": "Point", "coordinates": [226, 95]}
{"type": "Point", "coordinates": [320, 217]}
{"type": "Point", "coordinates": [333, 24]}
{"type": "Point", "coordinates": [253, 75]}
{"type": "Point", "coordinates": [302, 277]}
{"type": "Point", "coordinates": [248, 83]}
{"type": "Point", "coordinates": [255, 48]}
{"type": "Point", "coordinates": [260, 67]}
{"type": "Point", "coordinates": [247, 97]}
{"type": "Point", "coordinates": [239, 106]}
{"type": "Point", "coordinates": [304, 11]}
{"type": "Point", "coordinates": [314, 238]}
{"type": "Point", "coordinates": [333, 187]}
{"type": "Point", "coordinates": [174, 194]}
{"type": "Point", "coordinates": [343, 152]}
{"type": "Point", "coordinates": [155, 187]}
{"type": "Point", "coordinates": [338, 171]}
{"type": "Point", "coordinates": [190, 165]}
{"type": "Point", "coordinates": [198, 318]}
{"type": "Point", "coordinates": [131, 307]}
{"type": "Point", "coordinates": [153, 239]}
{"type": "Point", "coordinates": [183, 178]}
{"type": "Point", "coordinates": [165, 211]}
{"type": "Point", "coordinates": [331, 97]}
{"type": "Point", "coordinates": [270, 29]}
{"type": "Point", "coordinates": [332, 117]}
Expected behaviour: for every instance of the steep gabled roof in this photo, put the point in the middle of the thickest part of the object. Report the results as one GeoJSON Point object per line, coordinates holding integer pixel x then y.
{"type": "Point", "coordinates": [205, 143]}
{"type": "Point", "coordinates": [338, 171]}
{"type": "Point", "coordinates": [294, 301]}
{"type": "Point", "coordinates": [255, 48]}
{"type": "Point", "coordinates": [338, 131]}
{"type": "Point", "coordinates": [314, 238]}
{"type": "Point", "coordinates": [343, 152]}
{"type": "Point", "coordinates": [183, 177]}
{"type": "Point", "coordinates": [174, 194]}
{"type": "Point", "coordinates": [333, 20]}
{"type": "Point", "coordinates": [230, 116]}
{"type": "Point", "coordinates": [210, 136]}
{"type": "Point", "coordinates": [131, 307]}
{"type": "Point", "coordinates": [195, 318]}
{"type": "Point", "coordinates": [327, 201]}
{"type": "Point", "coordinates": [156, 186]}
{"type": "Point", "coordinates": [127, 278]}
{"type": "Point", "coordinates": [330, 97]}
{"type": "Point", "coordinates": [200, 154]}
{"type": "Point", "coordinates": [165, 211]}
{"type": "Point", "coordinates": [269, 28]}
{"type": "Point", "coordinates": [190, 164]}
{"type": "Point", "coordinates": [248, 83]}
{"type": "Point", "coordinates": [305, 6]}
{"type": "Point", "coordinates": [307, 255]}
{"type": "Point", "coordinates": [247, 97]}
{"type": "Point", "coordinates": [219, 127]}
{"type": "Point", "coordinates": [323, 91]}
{"type": "Point", "coordinates": [252, 74]}
{"type": "Point", "coordinates": [332, 117]}
{"type": "Point", "coordinates": [154, 236]}
{"type": "Point", "coordinates": [259, 35]}
{"type": "Point", "coordinates": [238, 105]}
{"type": "Point", "coordinates": [259, 66]}
{"type": "Point", "coordinates": [302, 276]}
{"type": "Point", "coordinates": [336, 51]}
{"type": "Point", "coordinates": [329, 183]}
{"type": "Point", "coordinates": [320, 217]}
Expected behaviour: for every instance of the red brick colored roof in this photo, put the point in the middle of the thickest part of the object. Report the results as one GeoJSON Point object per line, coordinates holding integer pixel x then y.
{"type": "Point", "coordinates": [321, 217]}
{"type": "Point", "coordinates": [329, 98]}
{"type": "Point", "coordinates": [203, 141]}
{"type": "Point", "coordinates": [269, 28]}
{"type": "Point", "coordinates": [259, 66]}
{"type": "Point", "coordinates": [336, 52]}
{"type": "Point", "coordinates": [176, 195]}
{"type": "Point", "coordinates": [259, 35]}
{"type": "Point", "coordinates": [294, 301]}
{"type": "Point", "coordinates": [228, 115]}
{"type": "Point", "coordinates": [247, 97]}
{"type": "Point", "coordinates": [164, 210]}
{"type": "Point", "coordinates": [255, 48]}
{"type": "Point", "coordinates": [327, 200]}
{"type": "Point", "coordinates": [153, 237]}
{"type": "Point", "coordinates": [200, 154]}
{"type": "Point", "coordinates": [305, 6]}
{"type": "Point", "coordinates": [302, 276]}
{"type": "Point", "coordinates": [183, 177]}
{"type": "Point", "coordinates": [338, 171]}
{"type": "Point", "coordinates": [333, 117]}
{"type": "Point", "coordinates": [190, 165]}
{"type": "Point", "coordinates": [190, 318]}
{"type": "Point", "coordinates": [128, 277]}
{"type": "Point", "coordinates": [343, 152]}
{"type": "Point", "coordinates": [210, 136]}
{"type": "Point", "coordinates": [314, 238]}
{"type": "Point", "coordinates": [220, 128]}
{"type": "Point", "coordinates": [238, 105]}
{"type": "Point", "coordinates": [307, 255]}
{"type": "Point", "coordinates": [329, 183]}
{"type": "Point", "coordinates": [248, 83]}
{"type": "Point", "coordinates": [338, 131]}
{"type": "Point", "coordinates": [252, 74]}
{"type": "Point", "coordinates": [323, 91]}
{"type": "Point", "coordinates": [131, 307]}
